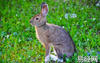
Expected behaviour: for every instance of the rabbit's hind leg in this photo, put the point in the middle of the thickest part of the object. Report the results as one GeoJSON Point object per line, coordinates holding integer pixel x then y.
{"type": "Point", "coordinates": [59, 54]}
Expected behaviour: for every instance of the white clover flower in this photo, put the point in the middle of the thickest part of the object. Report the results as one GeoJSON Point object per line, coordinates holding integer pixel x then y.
{"type": "Point", "coordinates": [93, 19]}
{"type": "Point", "coordinates": [66, 15]}
{"type": "Point", "coordinates": [60, 18]}
{"type": "Point", "coordinates": [16, 15]}
{"type": "Point", "coordinates": [63, 27]}
{"type": "Point", "coordinates": [73, 15]}
{"type": "Point", "coordinates": [70, 15]}
{"type": "Point", "coordinates": [7, 36]}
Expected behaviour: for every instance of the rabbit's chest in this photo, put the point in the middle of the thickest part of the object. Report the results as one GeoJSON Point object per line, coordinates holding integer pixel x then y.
{"type": "Point", "coordinates": [42, 35]}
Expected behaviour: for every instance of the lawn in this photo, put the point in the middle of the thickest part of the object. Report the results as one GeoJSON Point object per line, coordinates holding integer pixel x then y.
{"type": "Point", "coordinates": [18, 42]}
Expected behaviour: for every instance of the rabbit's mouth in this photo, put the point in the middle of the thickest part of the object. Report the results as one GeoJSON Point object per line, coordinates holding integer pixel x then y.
{"type": "Point", "coordinates": [31, 23]}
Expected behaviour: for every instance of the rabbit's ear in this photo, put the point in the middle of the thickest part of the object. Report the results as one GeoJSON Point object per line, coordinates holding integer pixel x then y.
{"type": "Point", "coordinates": [44, 9]}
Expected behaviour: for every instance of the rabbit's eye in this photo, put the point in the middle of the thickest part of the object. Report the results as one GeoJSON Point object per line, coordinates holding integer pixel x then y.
{"type": "Point", "coordinates": [37, 18]}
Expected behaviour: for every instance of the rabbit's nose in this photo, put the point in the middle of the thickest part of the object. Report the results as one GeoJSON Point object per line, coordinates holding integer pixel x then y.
{"type": "Point", "coordinates": [31, 21]}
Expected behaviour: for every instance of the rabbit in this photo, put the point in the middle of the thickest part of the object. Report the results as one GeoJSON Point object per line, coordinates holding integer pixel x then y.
{"type": "Point", "coordinates": [52, 35]}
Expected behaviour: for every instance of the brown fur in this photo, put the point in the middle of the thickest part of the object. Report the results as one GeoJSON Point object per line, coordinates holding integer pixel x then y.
{"type": "Point", "coordinates": [49, 34]}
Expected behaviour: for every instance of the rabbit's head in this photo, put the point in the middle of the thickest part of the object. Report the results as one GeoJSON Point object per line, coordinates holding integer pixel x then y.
{"type": "Point", "coordinates": [40, 19]}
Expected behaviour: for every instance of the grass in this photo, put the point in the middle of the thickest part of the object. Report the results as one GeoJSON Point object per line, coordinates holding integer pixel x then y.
{"type": "Point", "coordinates": [18, 43]}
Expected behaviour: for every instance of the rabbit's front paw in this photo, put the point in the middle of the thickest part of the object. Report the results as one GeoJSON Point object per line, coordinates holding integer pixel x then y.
{"type": "Point", "coordinates": [53, 57]}
{"type": "Point", "coordinates": [47, 59]}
